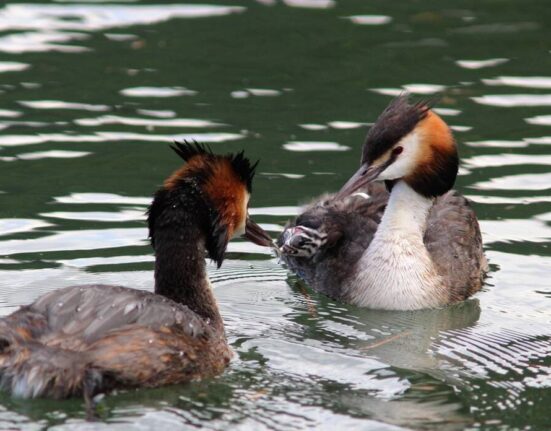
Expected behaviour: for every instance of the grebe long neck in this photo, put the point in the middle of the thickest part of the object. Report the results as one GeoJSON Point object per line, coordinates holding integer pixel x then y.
{"type": "Point", "coordinates": [396, 271]}
{"type": "Point", "coordinates": [406, 214]}
{"type": "Point", "coordinates": [180, 270]}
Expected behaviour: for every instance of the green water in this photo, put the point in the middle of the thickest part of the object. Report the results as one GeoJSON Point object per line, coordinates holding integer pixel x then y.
{"type": "Point", "coordinates": [92, 93]}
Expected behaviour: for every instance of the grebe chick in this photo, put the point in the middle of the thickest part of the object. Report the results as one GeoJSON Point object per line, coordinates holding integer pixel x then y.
{"type": "Point", "coordinates": [93, 338]}
{"type": "Point", "coordinates": [418, 246]}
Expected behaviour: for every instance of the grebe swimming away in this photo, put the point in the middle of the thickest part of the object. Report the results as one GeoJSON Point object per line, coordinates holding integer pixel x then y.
{"type": "Point", "coordinates": [90, 339]}
{"type": "Point", "coordinates": [407, 244]}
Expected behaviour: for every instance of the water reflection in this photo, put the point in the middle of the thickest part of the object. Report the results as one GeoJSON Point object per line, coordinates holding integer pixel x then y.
{"type": "Point", "coordinates": [504, 200]}
{"type": "Point", "coordinates": [53, 154]}
{"type": "Point", "coordinates": [19, 43]}
{"type": "Point", "coordinates": [76, 240]}
{"type": "Point", "coordinates": [102, 261]}
{"type": "Point", "coordinates": [263, 92]}
{"type": "Point", "coordinates": [157, 92]}
{"type": "Point", "coordinates": [517, 182]}
{"type": "Point", "coordinates": [370, 19]}
{"type": "Point", "coordinates": [496, 144]}
{"type": "Point", "coordinates": [287, 81]}
{"type": "Point", "coordinates": [497, 160]}
{"type": "Point", "coordinates": [542, 82]}
{"type": "Point", "coordinates": [157, 113]}
{"type": "Point", "coordinates": [102, 198]}
{"type": "Point", "coordinates": [60, 104]}
{"type": "Point", "coordinates": [481, 64]}
{"type": "Point", "coordinates": [515, 230]}
{"type": "Point", "coordinates": [303, 146]}
{"type": "Point", "coordinates": [120, 216]}
{"type": "Point", "coordinates": [11, 226]}
{"type": "Point", "coordinates": [314, 127]}
{"type": "Point", "coordinates": [13, 66]}
{"type": "Point", "coordinates": [91, 17]}
{"type": "Point", "coordinates": [514, 100]}
{"type": "Point", "coordinates": [447, 112]}
{"type": "Point", "coordinates": [311, 4]}
{"type": "Point", "coordinates": [50, 27]}
{"type": "Point", "coordinates": [314, 362]}
{"type": "Point", "coordinates": [17, 140]}
{"type": "Point", "coordinates": [540, 120]}
{"type": "Point", "coordinates": [410, 88]}
{"type": "Point", "coordinates": [148, 122]}
{"type": "Point", "coordinates": [345, 124]}
{"type": "Point", "coordinates": [410, 344]}
{"type": "Point", "coordinates": [9, 113]}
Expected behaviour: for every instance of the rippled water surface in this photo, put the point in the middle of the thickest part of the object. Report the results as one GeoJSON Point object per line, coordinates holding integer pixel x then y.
{"type": "Point", "coordinates": [92, 91]}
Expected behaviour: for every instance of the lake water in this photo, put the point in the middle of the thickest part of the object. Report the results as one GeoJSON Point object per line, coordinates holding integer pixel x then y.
{"type": "Point", "coordinates": [93, 91]}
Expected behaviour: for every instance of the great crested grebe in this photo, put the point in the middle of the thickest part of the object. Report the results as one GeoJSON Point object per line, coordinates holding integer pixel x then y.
{"type": "Point", "coordinates": [417, 245]}
{"type": "Point", "coordinates": [93, 338]}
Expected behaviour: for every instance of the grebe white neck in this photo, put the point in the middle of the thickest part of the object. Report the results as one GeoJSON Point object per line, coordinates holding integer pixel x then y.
{"type": "Point", "coordinates": [396, 271]}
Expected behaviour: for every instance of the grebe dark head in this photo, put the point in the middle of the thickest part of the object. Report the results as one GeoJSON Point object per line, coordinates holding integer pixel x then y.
{"type": "Point", "coordinates": [408, 142]}
{"type": "Point", "coordinates": [215, 190]}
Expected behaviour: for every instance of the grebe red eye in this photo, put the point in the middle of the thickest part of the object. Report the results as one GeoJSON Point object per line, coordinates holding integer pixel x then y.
{"type": "Point", "coordinates": [397, 151]}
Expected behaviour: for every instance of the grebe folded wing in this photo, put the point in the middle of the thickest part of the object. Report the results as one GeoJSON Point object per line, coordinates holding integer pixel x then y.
{"type": "Point", "coordinates": [454, 241]}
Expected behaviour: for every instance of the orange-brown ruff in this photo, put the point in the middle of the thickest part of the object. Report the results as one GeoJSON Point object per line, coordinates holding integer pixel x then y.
{"type": "Point", "coordinates": [89, 339]}
{"type": "Point", "coordinates": [223, 186]}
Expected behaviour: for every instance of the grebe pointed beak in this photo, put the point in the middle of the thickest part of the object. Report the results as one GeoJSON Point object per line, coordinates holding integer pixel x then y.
{"type": "Point", "coordinates": [363, 176]}
{"type": "Point", "coordinates": [257, 235]}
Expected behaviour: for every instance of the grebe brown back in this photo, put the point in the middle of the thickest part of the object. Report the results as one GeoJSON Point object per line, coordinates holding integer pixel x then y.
{"type": "Point", "coordinates": [417, 246]}
{"type": "Point", "coordinates": [90, 339]}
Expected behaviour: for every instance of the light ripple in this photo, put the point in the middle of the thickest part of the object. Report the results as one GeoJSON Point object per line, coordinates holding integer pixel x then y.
{"type": "Point", "coordinates": [539, 82]}
{"type": "Point", "coordinates": [103, 216]}
{"type": "Point", "coordinates": [102, 198]}
{"type": "Point", "coordinates": [17, 140]}
{"type": "Point", "coordinates": [77, 240]}
{"type": "Point", "coordinates": [157, 92]}
{"type": "Point", "coordinates": [10, 226]}
{"type": "Point", "coordinates": [53, 154]}
{"type": "Point", "coordinates": [310, 4]}
{"type": "Point", "coordinates": [54, 24]}
{"type": "Point", "coordinates": [303, 146]}
{"type": "Point", "coordinates": [309, 360]}
{"type": "Point", "coordinates": [60, 104]}
{"type": "Point", "coordinates": [148, 122]}
{"type": "Point", "coordinates": [497, 160]}
{"type": "Point", "coordinates": [514, 100]}
{"type": "Point", "coordinates": [515, 230]}
{"type": "Point", "coordinates": [517, 182]}
{"type": "Point", "coordinates": [13, 66]}
{"type": "Point", "coordinates": [481, 64]}
{"type": "Point", "coordinates": [370, 19]}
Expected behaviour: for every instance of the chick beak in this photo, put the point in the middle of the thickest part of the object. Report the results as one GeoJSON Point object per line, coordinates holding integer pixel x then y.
{"type": "Point", "coordinates": [256, 234]}
{"type": "Point", "coordinates": [363, 176]}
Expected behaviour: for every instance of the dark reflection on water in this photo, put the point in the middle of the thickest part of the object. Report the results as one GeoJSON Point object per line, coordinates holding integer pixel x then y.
{"type": "Point", "coordinates": [91, 94]}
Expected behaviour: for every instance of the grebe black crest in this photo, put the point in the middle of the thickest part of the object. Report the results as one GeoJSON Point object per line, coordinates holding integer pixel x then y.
{"type": "Point", "coordinates": [93, 338]}
{"type": "Point", "coordinates": [396, 236]}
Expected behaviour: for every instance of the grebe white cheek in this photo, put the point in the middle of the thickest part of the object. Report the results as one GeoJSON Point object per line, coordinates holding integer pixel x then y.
{"type": "Point", "coordinates": [395, 248]}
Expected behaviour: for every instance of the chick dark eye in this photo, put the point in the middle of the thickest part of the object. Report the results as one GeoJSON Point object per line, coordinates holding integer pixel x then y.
{"type": "Point", "coordinates": [397, 151]}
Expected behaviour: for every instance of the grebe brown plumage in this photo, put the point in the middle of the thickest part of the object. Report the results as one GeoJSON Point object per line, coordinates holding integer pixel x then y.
{"type": "Point", "coordinates": [90, 339]}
